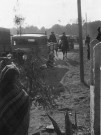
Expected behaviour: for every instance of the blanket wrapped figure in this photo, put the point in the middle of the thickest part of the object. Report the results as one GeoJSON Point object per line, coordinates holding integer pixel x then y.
{"type": "Point", "coordinates": [14, 103]}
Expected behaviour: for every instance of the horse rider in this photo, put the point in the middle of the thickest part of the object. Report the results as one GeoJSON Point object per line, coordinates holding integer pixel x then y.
{"type": "Point", "coordinates": [53, 39]}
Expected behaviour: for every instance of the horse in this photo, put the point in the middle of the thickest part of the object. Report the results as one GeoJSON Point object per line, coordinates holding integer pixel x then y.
{"type": "Point", "coordinates": [53, 47]}
{"type": "Point", "coordinates": [63, 48]}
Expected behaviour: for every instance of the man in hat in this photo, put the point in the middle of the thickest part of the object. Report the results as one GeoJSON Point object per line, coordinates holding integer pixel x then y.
{"type": "Point", "coordinates": [52, 38]}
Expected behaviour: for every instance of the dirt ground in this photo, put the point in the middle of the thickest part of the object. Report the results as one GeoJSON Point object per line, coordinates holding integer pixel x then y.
{"type": "Point", "coordinates": [72, 94]}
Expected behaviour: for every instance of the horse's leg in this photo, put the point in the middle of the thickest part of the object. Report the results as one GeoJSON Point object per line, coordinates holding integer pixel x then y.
{"type": "Point", "coordinates": [56, 52]}
{"type": "Point", "coordinates": [63, 54]}
{"type": "Point", "coordinates": [66, 54]}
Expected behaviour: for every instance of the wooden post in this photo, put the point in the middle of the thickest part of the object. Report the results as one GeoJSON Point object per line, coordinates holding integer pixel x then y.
{"type": "Point", "coordinates": [92, 44]}
{"type": "Point", "coordinates": [86, 24]}
{"type": "Point", "coordinates": [95, 121]}
{"type": "Point", "coordinates": [80, 41]}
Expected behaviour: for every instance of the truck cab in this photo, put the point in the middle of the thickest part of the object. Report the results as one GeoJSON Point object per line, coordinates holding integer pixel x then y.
{"type": "Point", "coordinates": [30, 42]}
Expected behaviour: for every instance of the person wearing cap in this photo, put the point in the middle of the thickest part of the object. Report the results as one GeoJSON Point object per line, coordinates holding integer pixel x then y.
{"type": "Point", "coordinates": [14, 103]}
{"type": "Point", "coordinates": [65, 44]}
{"type": "Point", "coordinates": [99, 34]}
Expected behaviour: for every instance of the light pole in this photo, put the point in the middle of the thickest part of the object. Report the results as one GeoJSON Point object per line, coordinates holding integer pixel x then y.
{"type": "Point", "coordinates": [86, 24]}
{"type": "Point", "coordinates": [80, 41]}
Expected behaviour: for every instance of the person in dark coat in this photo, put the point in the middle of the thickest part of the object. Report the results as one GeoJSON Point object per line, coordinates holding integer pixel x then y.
{"type": "Point", "coordinates": [65, 44]}
{"type": "Point", "coordinates": [87, 42]}
{"type": "Point", "coordinates": [52, 38]}
{"type": "Point", "coordinates": [14, 103]}
{"type": "Point", "coordinates": [99, 34]}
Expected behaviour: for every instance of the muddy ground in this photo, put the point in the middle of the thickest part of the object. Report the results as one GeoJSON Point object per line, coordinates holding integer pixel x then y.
{"type": "Point", "coordinates": [65, 77]}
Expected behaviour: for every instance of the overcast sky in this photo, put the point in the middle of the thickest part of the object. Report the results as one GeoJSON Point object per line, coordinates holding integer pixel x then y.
{"type": "Point", "coordinates": [47, 12]}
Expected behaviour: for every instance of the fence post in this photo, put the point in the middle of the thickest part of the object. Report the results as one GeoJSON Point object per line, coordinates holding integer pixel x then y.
{"type": "Point", "coordinates": [92, 44]}
{"type": "Point", "coordinates": [95, 92]}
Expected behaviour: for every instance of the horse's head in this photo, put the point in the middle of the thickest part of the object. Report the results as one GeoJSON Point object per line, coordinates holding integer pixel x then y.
{"type": "Point", "coordinates": [60, 42]}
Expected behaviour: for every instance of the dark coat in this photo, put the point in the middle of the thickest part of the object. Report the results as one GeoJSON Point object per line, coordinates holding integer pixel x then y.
{"type": "Point", "coordinates": [65, 44]}
{"type": "Point", "coordinates": [99, 36]}
{"type": "Point", "coordinates": [14, 103]}
{"type": "Point", "coordinates": [87, 40]}
{"type": "Point", "coordinates": [52, 38]}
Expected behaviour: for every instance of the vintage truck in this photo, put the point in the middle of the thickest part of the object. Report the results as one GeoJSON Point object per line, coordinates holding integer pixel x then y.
{"type": "Point", "coordinates": [25, 43]}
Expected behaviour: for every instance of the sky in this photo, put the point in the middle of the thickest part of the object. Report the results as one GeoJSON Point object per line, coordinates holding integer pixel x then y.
{"type": "Point", "coordinates": [47, 12]}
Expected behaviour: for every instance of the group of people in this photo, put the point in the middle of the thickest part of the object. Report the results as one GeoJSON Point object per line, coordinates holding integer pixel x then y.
{"type": "Point", "coordinates": [63, 43]}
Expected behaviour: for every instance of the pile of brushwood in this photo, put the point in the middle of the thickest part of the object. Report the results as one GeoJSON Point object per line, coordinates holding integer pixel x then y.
{"type": "Point", "coordinates": [46, 101]}
{"type": "Point", "coordinates": [32, 79]}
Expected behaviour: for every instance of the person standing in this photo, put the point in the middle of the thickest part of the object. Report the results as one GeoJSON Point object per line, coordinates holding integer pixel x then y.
{"type": "Point", "coordinates": [65, 45]}
{"type": "Point", "coordinates": [99, 34]}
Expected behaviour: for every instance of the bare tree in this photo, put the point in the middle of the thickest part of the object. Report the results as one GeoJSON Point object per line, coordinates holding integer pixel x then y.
{"type": "Point", "coordinates": [18, 20]}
